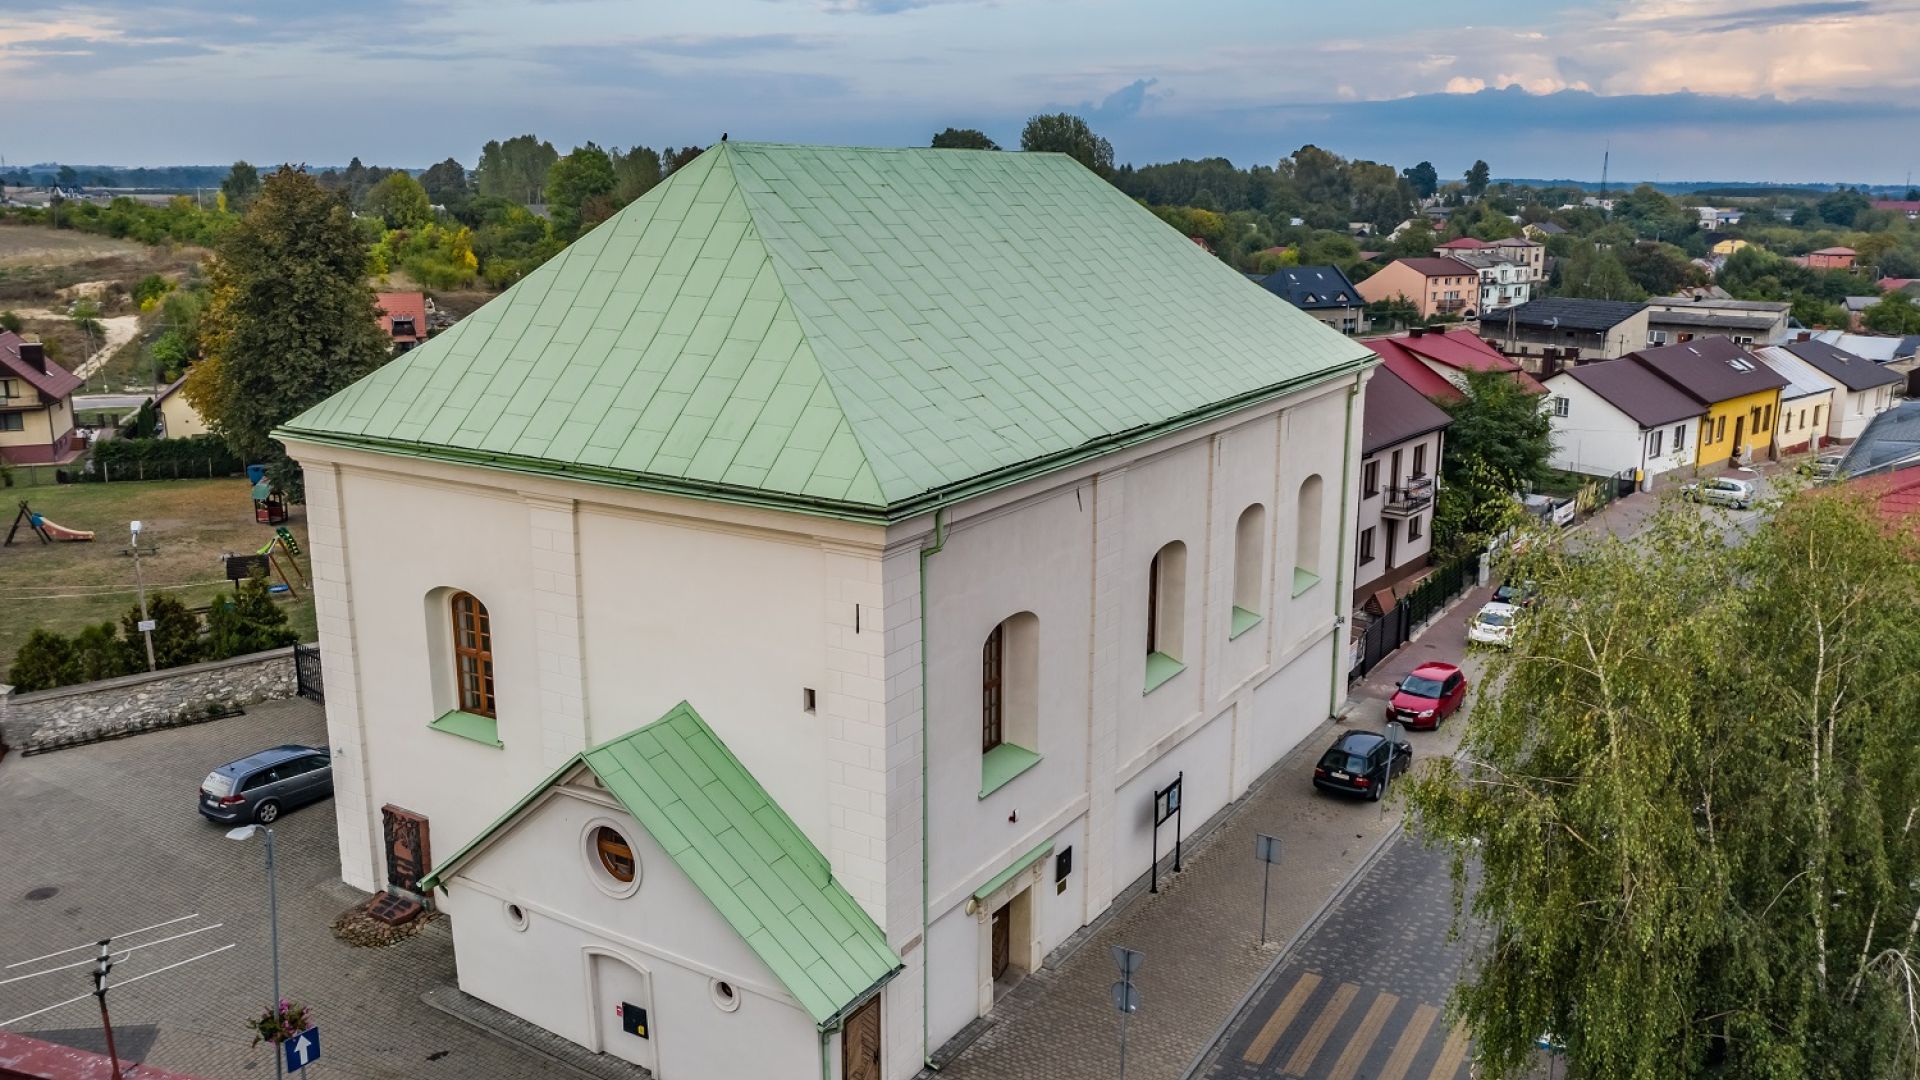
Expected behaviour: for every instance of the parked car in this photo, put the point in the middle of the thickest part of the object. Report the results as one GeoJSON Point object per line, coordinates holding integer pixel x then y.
{"type": "Point", "coordinates": [1429, 694]}
{"type": "Point", "coordinates": [262, 786]}
{"type": "Point", "coordinates": [1827, 466]}
{"type": "Point", "coordinates": [1493, 624]}
{"type": "Point", "coordinates": [1549, 509]}
{"type": "Point", "coordinates": [1521, 594]}
{"type": "Point", "coordinates": [1721, 491]}
{"type": "Point", "coordinates": [1361, 763]}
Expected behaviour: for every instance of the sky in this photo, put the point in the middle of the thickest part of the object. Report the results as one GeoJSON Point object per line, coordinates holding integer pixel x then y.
{"type": "Point", "coordinates": [1774, 90]}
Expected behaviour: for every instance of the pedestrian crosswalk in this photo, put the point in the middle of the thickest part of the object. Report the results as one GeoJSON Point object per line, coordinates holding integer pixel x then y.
{"type": "Point", "coordinates": [1323, 1030]}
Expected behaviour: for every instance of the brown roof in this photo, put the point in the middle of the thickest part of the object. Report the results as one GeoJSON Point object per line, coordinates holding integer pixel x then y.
{"type": "Point", "coordinates": [1396, 412]}
{"type": "Point", "coordinates": [1646, 398]}
{"type": "Point", "coordinates": [55, 382]}
{"type": "Point", "coordinates": [1843, 367]}
{"type": "Point", "coordinates": [402, 306]}
{"type": "Point", "coordinates": [1711, 369]}
{"type": "Point", "coordinates": [1439, 267]}
{"type": "Point", "coordinates": [1836, 251]}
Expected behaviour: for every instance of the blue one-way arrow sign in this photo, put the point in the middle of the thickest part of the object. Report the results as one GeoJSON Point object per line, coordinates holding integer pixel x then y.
{"type": "Point", "coordinates": [302, 1050]}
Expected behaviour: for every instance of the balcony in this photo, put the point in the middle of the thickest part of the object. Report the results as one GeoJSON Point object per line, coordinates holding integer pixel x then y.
{"type": "Point", "coordinates": [1404, 502]}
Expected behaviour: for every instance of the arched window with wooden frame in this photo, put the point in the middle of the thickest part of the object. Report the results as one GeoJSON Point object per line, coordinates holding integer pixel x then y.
{"type": "Point", "coordinates": [472, 654]}
{"type": "Point", "coordinates": [993, 674]}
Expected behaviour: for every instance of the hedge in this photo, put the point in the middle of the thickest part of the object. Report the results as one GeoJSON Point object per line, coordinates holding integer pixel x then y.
{"type": "Point", "coordinates": [162, 459]}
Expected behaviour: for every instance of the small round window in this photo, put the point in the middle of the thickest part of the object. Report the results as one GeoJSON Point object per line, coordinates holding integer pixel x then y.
{"type": "Point", "coordinates": [616, 855]}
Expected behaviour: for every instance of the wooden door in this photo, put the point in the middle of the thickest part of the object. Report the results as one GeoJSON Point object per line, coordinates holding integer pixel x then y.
{"type": "Point", "coordinates": [1739, 430]}
{"type": "Point", "coordinates": [1002, 940]}
{"type": "Point", "coordinates": [860, 1043]}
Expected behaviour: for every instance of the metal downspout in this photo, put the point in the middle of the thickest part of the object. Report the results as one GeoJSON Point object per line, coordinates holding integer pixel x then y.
{"type": "Point", "coordinates": [826, 1070]}
{"type": "Point", "coordinates": [926, 975]}
{"type": "Point", "coordinates": [1340, 564]}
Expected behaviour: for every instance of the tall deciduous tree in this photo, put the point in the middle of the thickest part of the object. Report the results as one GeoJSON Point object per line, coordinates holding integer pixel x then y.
{"type": "Point", "coordinates": [446, 185]}
{"type": "Point", "coordinates": [289, 319]}
{"type": "Point", "coordinates": [963, 139]}
{"type": "Point", "coordinates": [1597, 274]}
{"type": "Point", "coordinates": [1896, 313]}
{"type": "Point", "coordinates": [515, 169]}
{"type": "Point", "coordinates": [1424, 178]}
{"type": "Point", "coordinates": [240, 186]}
{"type": "Point", "coordinates": [400, 201]}
{"type": "Point", "coordinates": [1065, 133]}
{"type": "Point", "coordinates": [1499, 440]}
{"type": "Point", "coordinates": [635, 172]}
{"type": "Point", "coordinates": [579, 190]}
{"type": "Point", "coordinates": [1477, 178]}
{"type": "Point", "coordinates": [1690, 795]}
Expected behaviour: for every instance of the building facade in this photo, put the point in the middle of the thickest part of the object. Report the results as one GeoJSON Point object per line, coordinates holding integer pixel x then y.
{"type": "Point", "coordinates": [1806, 403]}
{"type": "Point", "coordinates": [1741, 396]}
{"type": "Point", "coordinates": [1861, 388]}
{"type": "Point", "coordinates": [1403, 438]}
{"type": "Point", "coordinates": [1437, 286]}
{"type": "Point", "coordinates": [1553, 332]}
{"type": "Point", "coordinates": [1322, 292]}
{"type": "Point", "coordinates": [1616, 418]}
{"type": "Point", "coordinates": [36, 407]}
{"type": "Point", "coordinates": [748, 485]}
{"type": "Point", "coordinates": [1674, 320]}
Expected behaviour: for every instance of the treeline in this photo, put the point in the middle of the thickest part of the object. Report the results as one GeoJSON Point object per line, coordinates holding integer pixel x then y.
{"type": "Point", "coordinates": [167, 177]}
{"type": "Point", "coordinates": [247, 622]}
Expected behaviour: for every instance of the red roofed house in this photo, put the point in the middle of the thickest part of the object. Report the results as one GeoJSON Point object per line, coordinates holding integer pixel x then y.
{"type": "Point", "coordinates": [403, 315]}
{"type": "Point", "coordinates": [1909, 207]}
{"type": "Point", "coordinates": [1465, 243]}
{"type": "Point", "coordinates": [1895, 495]}
{"type": "Point", "coordinates": [1435, 286]}
{"type": "Point", "coordinates": [1436, 363]}
{"type": "Point", "coordinates": [1831, 258]}
{"type": "Point", "coordinates": [36, 413]}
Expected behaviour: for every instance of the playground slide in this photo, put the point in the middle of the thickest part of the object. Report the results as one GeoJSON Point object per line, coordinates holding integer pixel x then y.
{"type": "Point", "coordinates": [61, 532]}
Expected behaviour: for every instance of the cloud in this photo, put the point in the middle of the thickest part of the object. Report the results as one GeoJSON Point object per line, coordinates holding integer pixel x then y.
{"type": "Point", "coordinates": [1122, 103]}
{"type": "Point", "coordinates": [885, 7]}
{"type": "Point", "coordinates": [725, 46]}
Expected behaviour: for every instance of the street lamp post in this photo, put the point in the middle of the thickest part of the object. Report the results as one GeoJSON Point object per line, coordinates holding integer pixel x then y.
{"type": "Point", "coordinates": [246, 832]}
{"type": "Point", "coordinates": [146, 624]}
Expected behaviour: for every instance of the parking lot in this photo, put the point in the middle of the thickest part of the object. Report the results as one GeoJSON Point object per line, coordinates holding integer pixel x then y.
{"type": "Point", "coordinates": [105, 840]}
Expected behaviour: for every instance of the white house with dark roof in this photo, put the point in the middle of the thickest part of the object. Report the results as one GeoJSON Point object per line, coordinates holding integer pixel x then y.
{"type": "Point", "coordinates": [1806, 403]}
{"type": "Point", "coordinates": [1616, 417]}
{"type": "Point", "coordinates": [808, 587]}
{"type": "Point", "coordinates": [1862, 389]}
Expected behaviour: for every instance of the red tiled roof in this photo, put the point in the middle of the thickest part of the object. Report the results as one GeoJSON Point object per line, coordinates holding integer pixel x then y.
{"type": "Point", "coordinates": [1895, 284]}
{"type": "Point", "coordinates": [56, 382]}
{"type": "Point", "coordinates": [1836, 251]}
{"type": "Point", "coordinates": [1895, 495]}
{"type": "Point", "coordinates": [403, 305]}
{"type": "Point", "coordinates": [1465, 243]}
{"type": "Point", "coordinates": [1456, 349]}
{"type": "Point", "coordinates": [1910, 206]}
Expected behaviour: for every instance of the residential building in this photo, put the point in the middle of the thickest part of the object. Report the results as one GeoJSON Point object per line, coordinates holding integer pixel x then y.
{"type": "Point", "coordinates": [1729, 246]}
{"type": "Point", "coordinates": [1559, 331]}
{"type": "Point", "coordinates": [1857, 309]}
{"type": "Point", "coordinates": [1862, 389]}
{"type": "Point", "coordinates": [403, 317]}
{"type": "Point", "coordinates": [1619, 418]}
{"type": "Point", "coordinates": [1830, 258]}
{"type": "Point", "coordinates": [1402, 438]}
{"type": "Point", "coordinates": [1322, 292]}
{"type": "Point", "coordinates": [178, 418]}
{"type": "Point", "coordinates": [1457, 246]}
{"type": "Point", "coordinates": [1910, 208]}
{"type": "Point", "coordinates": [1503, 282]}
{"type": "Point", "coordinates": [1675, 319]}
{"type": "Point", "coordinates": [1890, 442]}
{"type": "Point", "coordinates": [1806, 403]}
{"type": "Point", "coordinates": [1897, 352]}
{"type": "Point", "coordinates": [36, 406]}
{"type": "Point", "coordinates": [1436, 364]}
{"type": "Point", "coordinates": [1741, 396]}
{"type": "Point", "coordinates": [813, 622]}
{"type": "Point", "coordinates": [1718, 217]}
{"type": "Point", "coordinates": [1541, 230]}
{"type": "Point", "coordinates": [1525, 253]}
{"type": "Point", "coordinates": [1437, 286]}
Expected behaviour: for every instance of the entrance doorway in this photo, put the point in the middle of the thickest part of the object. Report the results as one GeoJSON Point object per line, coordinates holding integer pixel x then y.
{"type": "Point", "coordinates": [1011, 950]}
{"type": "Point", "coordinates": [1739, 429]}
{"type": "Point", "coordinates": [623, 1010]}
{"type": "Point", "coordinates": [860, 1043]}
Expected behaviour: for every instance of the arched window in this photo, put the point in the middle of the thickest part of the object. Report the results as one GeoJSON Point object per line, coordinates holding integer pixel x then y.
{"type": "Point", "coordinates": [1306, 549]}
{"type": "Point", "coordinates": [1249, 568]}
{"type": "Point", "coordinates": [1167, 602]}
{"type": "Point", "coordinates": [472, 654]}
{"type": "Point", "coordinates": [1009, 700]}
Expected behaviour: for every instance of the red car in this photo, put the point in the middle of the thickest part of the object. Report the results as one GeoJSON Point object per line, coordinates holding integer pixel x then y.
{"type": "Point", "coordinates": [1430, 694]}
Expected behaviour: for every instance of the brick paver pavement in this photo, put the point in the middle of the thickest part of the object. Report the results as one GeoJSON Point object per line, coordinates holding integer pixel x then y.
{"type": "Point", "coordinates": [1199, 933]}
{"type": "Point", "coordinates": [105, 839]}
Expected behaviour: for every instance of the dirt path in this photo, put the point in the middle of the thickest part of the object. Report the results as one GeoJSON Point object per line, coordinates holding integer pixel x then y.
{"type": "Point", "coordinates": [117, 331]}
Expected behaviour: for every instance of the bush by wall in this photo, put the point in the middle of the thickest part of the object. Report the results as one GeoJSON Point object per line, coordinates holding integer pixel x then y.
{"type": "Point", "coordinates": [235, 626]}
{"type": "Point", "coordinates": [162, 459]}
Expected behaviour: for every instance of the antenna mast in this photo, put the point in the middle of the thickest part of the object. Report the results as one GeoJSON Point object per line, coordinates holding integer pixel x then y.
{"type": "Point", "coordinates": [1606, 159]}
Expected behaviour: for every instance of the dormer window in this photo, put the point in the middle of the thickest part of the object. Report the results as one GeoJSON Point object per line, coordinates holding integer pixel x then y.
{"type": "Point", "coordinates": [402, 327]}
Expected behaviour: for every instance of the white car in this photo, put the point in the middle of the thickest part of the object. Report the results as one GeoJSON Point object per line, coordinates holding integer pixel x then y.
{"type": "Point", "coordinates": [1493, 625]}
{"type": "Point", "coordinates": [1722, 491]}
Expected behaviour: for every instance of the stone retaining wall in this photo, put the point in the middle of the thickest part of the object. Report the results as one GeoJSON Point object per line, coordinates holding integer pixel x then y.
{"type": "Point", "coordinates": [72, 715]}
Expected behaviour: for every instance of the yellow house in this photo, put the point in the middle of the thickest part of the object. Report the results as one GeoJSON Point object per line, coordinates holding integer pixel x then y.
{"type": "Point", "coordinates": [1740, 392]}
{"type": "Point", "coordinates": [178, 418]}
{"type": "Point", "coordinates": [36, 406]}
{"type": "Point", "coordinates": [1728, 247]}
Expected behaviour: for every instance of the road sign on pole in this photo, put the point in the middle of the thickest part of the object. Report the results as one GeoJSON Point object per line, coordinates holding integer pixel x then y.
{"type": "Point", "coordinates": [1267, 850]}
{"type": "Point", "coordinates": [302, 1050]}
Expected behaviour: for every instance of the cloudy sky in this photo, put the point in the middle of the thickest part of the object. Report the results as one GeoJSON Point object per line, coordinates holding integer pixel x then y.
{"type": "Point", "coordinates": [1701, 89]}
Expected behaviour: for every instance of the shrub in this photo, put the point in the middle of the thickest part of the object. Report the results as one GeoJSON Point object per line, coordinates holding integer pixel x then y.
{"type": "Point", "coordinates": [45, 660]}
{"type": "Point", "coordinates": [249, 622]}
{"type": "Point", "coordinates": [100, 653]}
{"type": "Point", "coordinates": [176, 632]}
{"type": "Point", "coordinates": [163, 459]}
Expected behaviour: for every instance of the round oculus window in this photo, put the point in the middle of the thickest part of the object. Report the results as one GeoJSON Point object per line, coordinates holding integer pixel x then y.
{"type": "Point", "coordinates": [614, 853]}
{"type": "Point", "coordinates": [612, 865]}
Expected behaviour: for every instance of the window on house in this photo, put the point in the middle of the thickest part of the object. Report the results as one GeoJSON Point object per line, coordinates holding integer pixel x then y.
{"type": "Point", "coordinates": [1249, 568]}
{"type": "Point", "coordinates": [472, 654]}
{"type": "Point", "coordinates": [1420, 461]}
{"type": "Point", "coordinates": [13, 421]}
{"type": "Point", "coordinates": [1393, 474]}
{"type": "Point", "coordinates": [1559, 406]}
{"type": "Point", "coordinates": [1366, 545]}
{"type": "Point", "coordinates": [1653, 443]}
{"type": "Point", "coordinates": [1009, 700]}
{"type": "Point", "coordinates": [1657, 337]}
{"type": "Point", "coordinates": [1719, 429]}
{"type": "Point", "coordinates": [1166, 600]}
{"type": "Point", "coordinates": [1817, 409]}
{"type": "Point", "coordinates": [1413, 528]}
{"type": "Point", "coordinates": [993, 663]}
{"type": "Point", "coordinates": [1679, 437]}
{"type": "Point", "coordinates": [1370, 479]}
{"type": "Point", "coordinates": [1306, 547]}
{"type": "Point", "coordinates": [7, 389]}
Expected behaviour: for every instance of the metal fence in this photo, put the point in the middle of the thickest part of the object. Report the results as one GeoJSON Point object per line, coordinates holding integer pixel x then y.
{"type": "Point", "coordinates": [75, 472]}
{"type": "Point", "coordinates": [306, 672]}
{"type": "Point", "coordinates": [1393, 629]}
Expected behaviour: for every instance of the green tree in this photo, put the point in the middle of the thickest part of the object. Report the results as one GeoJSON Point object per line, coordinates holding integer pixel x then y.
{"type": "Point", "coordinates": [963, 139]}
{"type": "Point", "coordinates": [1424, 178]}
{"type": "Point", "coordinates": [100, 653]}
{"type": "Point", "coordinates": [241, 186]}
{"type": "Point", "coordinates": [635, 173]}
{"type": "Point", "coordinates": [1843, 207]}
{"type": "Point", "coordinates": [578, 190]}
{"type": "Point", "coordinates": [10, 321]}
{"type": "Point", "coordinates": [446, 184]}
{"type": "Point", "coordinates": [1896, 313]}
{"type": "Point", "coordinates": [1477, 176]}
{"type": "Point", "coordinates": [1065, 133]}
{"type": "Point", "coordinates": [1499, 440]}
{"type": "Point", "coordinates": [1687, 799]}
{"type": "Point", "coordinates": [400, 201]}
{"type": "Point", "coordinates": [176, 631]}
{"type": "Point", "coordinates": [144, 424]}
{"type": "Point", "coordinates": [671, 159]}
{"type": "Point", "coordinates": [515, 169]}
{"type": "Point", "coordinates": [45, 660]}
{"type": "Point", "coordinates": [289, 321]}
{"type": "Point", "coordinates": [1596, 274]}
{"type": "Point", "coordinates": [248, 622]}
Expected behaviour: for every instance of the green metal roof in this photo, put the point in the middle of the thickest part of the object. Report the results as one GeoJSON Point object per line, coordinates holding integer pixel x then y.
{"type": "Point", "coordinates": [770, 883]}
{"type": "Point", "coordinates": [843, 331]}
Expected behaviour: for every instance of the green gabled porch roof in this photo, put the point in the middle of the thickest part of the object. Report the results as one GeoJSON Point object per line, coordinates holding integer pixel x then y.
{"type": "Point", "coordinates": [844, 331]}
{"type": "Point", "coordinates": [763, 875]}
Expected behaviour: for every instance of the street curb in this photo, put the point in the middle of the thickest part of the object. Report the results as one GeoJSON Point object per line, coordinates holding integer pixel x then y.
{"type": "Point", "coordinates": [1214, 1042]}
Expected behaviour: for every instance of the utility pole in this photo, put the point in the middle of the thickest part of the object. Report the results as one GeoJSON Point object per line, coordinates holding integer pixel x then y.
{"type": "Point", "coordinates": [100, 968]}
{"type": "Point", "coordinates": [140, 583]}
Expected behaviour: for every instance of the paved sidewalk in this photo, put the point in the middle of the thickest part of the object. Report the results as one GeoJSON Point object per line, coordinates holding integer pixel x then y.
{"type": "Point", "coordinates": [1199, 933]}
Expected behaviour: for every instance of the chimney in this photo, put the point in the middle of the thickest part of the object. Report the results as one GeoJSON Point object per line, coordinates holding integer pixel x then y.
{"type": "Point", "coordinates": [1417, 331]}
{"type": "Point", "coordinates": [34, 354]}
{"type": "Point", "coordinates": [1805, 335]}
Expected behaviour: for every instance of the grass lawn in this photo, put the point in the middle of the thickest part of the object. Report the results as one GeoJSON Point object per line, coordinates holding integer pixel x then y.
{"type": "Point", "coordinates": [186, 526]}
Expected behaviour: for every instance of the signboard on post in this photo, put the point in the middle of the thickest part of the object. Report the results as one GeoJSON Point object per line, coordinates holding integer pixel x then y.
{"type": "Point", "coordinates": [1166, 801]}
{"type": "Point", "coordinates": [1166, 804]}
{"type": "Point", "coordinates": [302, 1050]}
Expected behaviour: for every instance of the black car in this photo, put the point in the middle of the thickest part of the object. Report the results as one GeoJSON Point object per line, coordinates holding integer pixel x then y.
{"type": "Point", "coordinates": [1521, 594]}
{"type": "Point", "coordinates": [260, 786]}
{"type": "Point", "coordinates": [1358, 762]}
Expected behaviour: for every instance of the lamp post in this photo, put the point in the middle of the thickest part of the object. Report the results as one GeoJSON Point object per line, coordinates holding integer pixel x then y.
{"type": "Point", "coordinates": [146, 624]}
{"type": "Point", "coordinates": [246, 832]}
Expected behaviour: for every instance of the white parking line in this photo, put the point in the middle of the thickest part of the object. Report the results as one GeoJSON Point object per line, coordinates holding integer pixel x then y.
{"type": "Point", "coordinates": [130, 950]}
{"type": "Point", "coordinates": [96, 944]}
{"type": "Point", "coordinates": [116, 986]}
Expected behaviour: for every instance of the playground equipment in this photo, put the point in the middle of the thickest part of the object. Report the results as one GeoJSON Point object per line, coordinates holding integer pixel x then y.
{"type": "Point", "coordinates": [47, 531]}
{"type": "Point", "coordinates": [241, 567]}
{"type": "Point", "coordinates": [269, 506]}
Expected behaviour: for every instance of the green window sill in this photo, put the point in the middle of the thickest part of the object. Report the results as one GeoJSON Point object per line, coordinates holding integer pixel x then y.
{"type": "Point", "coordinates": [1160, 668]}
{"type": "Point", "coordinates": [1001, 764]}
{"type": "Point", "coordinates": [470, 726]}
{"type": "Point", "coordinates": [1243, 621]}
{"type": "Point", "coordinates": [1304, 580]}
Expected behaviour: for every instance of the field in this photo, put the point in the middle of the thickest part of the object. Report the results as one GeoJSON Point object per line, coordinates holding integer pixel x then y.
{"type": "Point", "coordinates": [35, 245]}
{"type": "Point", "coordinates": [186, 526]}
{"type": "Point", "coordinates": [40, 266]}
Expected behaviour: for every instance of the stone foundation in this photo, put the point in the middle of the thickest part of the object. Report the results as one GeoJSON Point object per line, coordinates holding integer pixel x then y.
{"type": "Point", "coordinates": [88, 712]}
